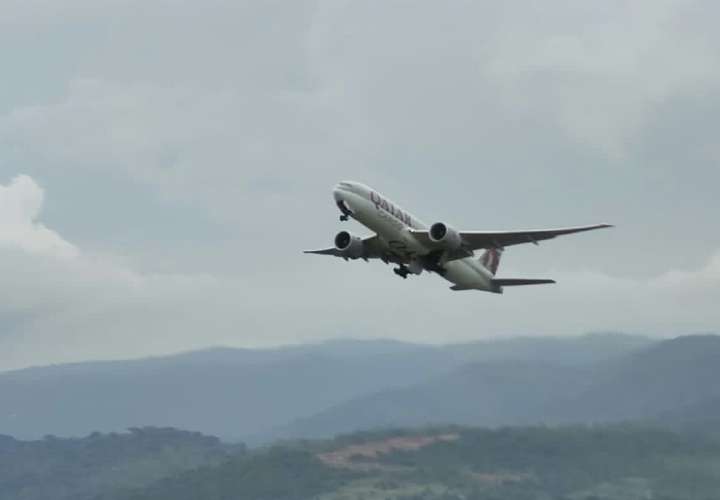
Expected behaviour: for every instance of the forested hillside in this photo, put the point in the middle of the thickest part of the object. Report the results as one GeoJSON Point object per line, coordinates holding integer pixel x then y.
{"type": "Point", "coordinates": [570, 463]}
{"type": "Point", "coordinates": [82, 469]}
{"type": "Point", "coordinates": [618, 462]}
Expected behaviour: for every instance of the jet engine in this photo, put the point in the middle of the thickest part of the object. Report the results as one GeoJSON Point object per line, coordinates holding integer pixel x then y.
{"type": "Point", "coordinates": [445, 236]}
{"type": "Point", "coordinates": [350, 245]}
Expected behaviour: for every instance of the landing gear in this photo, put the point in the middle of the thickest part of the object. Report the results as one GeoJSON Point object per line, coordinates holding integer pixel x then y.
{"type": "Point", "coordinates": [431, 262]}
{"type": "Point", "coordinates": [402, 271]}
{"type": "Point", "coordinates": [346, 212]}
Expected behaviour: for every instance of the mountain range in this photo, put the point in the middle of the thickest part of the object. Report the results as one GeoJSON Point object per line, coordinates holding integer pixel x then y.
{"type": "Point", "coordinates": [341, 386]}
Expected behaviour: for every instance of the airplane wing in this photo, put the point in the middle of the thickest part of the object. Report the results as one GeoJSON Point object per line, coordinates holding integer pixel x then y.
{"type": "Point", "coordinates": [372, 249]}
{"type": "Point", "coordinates": [475, 240]}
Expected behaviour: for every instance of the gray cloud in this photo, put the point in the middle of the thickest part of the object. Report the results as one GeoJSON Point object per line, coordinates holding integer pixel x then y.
{"type": "Point", "coordinates": [220, 129]}
{"type": "Point", "coordinates": [20, 205]}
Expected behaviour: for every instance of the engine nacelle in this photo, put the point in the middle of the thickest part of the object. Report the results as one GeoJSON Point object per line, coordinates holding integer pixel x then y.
{"type": "Point", "coordinates": [445, 236]}
{"type": "Point", "coordinates": [350, 245]}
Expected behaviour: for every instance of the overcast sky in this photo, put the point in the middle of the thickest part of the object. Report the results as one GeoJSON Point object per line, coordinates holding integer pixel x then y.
{"type": "Point", "coordinates": [164, 162]}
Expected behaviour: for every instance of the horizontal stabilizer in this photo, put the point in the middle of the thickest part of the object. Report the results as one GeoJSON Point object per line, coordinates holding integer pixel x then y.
{"type": "Point", "coordinates": [522, 282]}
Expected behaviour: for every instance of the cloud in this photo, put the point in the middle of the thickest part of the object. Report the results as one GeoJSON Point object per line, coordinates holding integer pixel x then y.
{"type": "Point", "coordinates": [604, 68]}
{"type": "Point", "coordinates": [464, 85]}
{"type": "Point", "coordinates": [20, 205]}
{"type": "Point", "coordinates": [61, 303]}
{"type": "Point", "coordinates": [222, 147]}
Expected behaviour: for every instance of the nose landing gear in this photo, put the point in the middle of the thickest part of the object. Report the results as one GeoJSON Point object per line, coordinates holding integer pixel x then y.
{"type": "Point", "coordinates": [346, 212]}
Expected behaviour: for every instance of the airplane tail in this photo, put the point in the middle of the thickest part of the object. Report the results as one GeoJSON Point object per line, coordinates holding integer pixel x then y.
{"type": "Point", "coordinates": [491, 259]}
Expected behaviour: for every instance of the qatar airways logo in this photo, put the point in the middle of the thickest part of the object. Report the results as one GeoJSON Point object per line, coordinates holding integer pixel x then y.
{"type": "Point", "coordinates": [382, 204]}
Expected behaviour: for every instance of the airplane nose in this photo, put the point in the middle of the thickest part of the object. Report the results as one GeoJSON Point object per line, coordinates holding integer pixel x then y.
{"type": "Point", "coordinates": [340, 189]}
{"type": "Point", "coordinates": [337, 193]}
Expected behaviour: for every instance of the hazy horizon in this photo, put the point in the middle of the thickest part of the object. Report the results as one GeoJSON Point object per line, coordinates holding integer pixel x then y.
{"type": "Point", "coordinates": [379, 341]}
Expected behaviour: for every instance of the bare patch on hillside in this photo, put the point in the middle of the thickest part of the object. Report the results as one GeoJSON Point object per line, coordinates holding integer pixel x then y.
{"type": "Point", "coordinates": [362, 457]}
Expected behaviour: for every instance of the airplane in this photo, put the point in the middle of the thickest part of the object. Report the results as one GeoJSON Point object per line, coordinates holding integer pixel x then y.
{"type": "Point", "coordinates": [402, 239]}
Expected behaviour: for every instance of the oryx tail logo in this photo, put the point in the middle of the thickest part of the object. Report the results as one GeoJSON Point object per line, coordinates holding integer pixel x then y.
{"type": "Point", "coordinates": [491, 259]}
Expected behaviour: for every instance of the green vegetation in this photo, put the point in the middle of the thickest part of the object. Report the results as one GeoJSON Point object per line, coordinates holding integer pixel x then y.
{"type": "Point", "coordinates": [577, 462]}
{"type": "Point", "coordinates": [622, 462]}
{"type": "Point", "coordinates": [618, 462]}
{"type": "Point", "coordinates": [674, 456]}
{"type": "Point", "coordinates": [277, 474]}
{"type": "Point", "coordinates": [80, 469]}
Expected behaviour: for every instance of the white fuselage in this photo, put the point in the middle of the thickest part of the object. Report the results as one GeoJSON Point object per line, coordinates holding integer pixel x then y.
{"type": "Point", "coordinates": [391, 223]}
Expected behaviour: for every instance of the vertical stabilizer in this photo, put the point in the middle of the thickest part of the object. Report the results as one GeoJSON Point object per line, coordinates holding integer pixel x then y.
{"type": "Point", "coordinates": [491, 259]}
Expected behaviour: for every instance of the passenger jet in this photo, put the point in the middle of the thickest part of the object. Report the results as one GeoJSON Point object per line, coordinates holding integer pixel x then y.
{"type": "Point", "coordinates": [404, 240]}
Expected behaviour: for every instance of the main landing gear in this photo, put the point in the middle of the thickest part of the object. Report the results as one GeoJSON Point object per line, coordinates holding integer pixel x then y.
{"type": "Point", "coordinates": [402, 271]}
